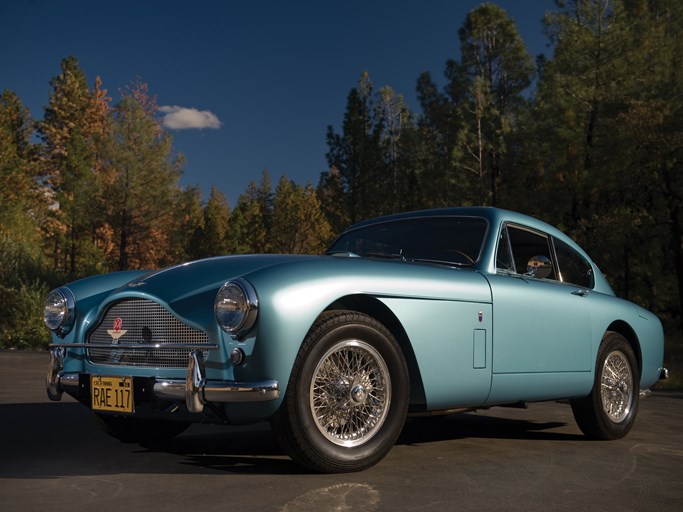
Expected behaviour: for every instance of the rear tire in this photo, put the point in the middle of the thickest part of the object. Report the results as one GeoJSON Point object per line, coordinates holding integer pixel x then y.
{"type": "Point", "coordinates": [609, 411]}
{"type": "Point", "coordinates": [347, 397]}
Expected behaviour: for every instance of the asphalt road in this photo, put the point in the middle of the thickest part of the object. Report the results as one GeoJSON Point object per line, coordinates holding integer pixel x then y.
{"type": "Point", "coordinates": [54, 457]}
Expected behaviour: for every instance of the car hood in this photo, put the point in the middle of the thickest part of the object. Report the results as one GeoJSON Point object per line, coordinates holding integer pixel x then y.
{"type": "Point", "coordinates": [189, 290]}
{"type": "Point", "coordinates": [188, 279]}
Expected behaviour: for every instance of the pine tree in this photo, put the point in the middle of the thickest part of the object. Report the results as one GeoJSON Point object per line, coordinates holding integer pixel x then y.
{"type": "Point", "coordinates": [74, 132]}
{"type": "Point", "coordinates": [298, 223]}
{"type": "Point", "coordinates": [142, 195]}
{"type": "Point", "coordinates": [607, 138]}
{"type": "Point", "coordinates": [212, 238]}
{"type": "Point", "coordinates": [251, 218]}
{"type": "Point", "coordinates": [437, 136]}
{"type": "Point", "coordinates": [333, 199]}
{"type": "Point", "coordinates": [647, 181]}
{"type": "Point", "coordinates": [357, 154]}
{"type": "Point", "coordinates": [18, 189]}
{"type": "Point", "coordinates": [186, 224]}
{"type": "Point", "coordinates": [398, 146]}
{"type": "Point", "coordinates": [22, 208]}
{"type": "Point", "coordinates": [497, 68]}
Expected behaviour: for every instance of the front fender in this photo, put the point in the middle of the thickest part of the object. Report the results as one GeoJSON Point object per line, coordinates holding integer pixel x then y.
{"type": "Point", "coordinates": [292, 297]}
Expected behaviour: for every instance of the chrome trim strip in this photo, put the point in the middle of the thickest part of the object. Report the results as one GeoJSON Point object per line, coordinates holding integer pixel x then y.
{"type": "Point", "coordinates": [212, 391]}
{"type": "Point", "coordinates": [173, 389]}
{"type": "Point", "coordinates": [242, 391]}
{"type": "Point", "coordinates": [137, 346]}
{"type": "Point", "coordinates": [220, 391]}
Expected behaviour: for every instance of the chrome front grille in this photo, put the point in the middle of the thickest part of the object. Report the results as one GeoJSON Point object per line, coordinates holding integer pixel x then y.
{"type": "Point", "coordinates": [142, 321]}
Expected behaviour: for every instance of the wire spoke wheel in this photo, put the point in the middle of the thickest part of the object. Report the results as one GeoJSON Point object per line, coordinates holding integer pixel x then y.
{"type": "Point", "coordinates": [616, 387]}
{"type": "Point", "coordinates": [350, 393]}
{"type": "Point", "coordinates": [610, 409]}
{"type": "Point", "coordinates": [347, 397]}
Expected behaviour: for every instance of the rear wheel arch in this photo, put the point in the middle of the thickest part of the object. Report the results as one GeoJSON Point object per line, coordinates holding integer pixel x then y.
{"type": "Point", "coordinates": [627, 332]}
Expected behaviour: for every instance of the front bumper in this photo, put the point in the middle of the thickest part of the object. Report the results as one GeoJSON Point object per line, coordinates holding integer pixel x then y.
{"type": "Point", "coordinates": [195, 390]}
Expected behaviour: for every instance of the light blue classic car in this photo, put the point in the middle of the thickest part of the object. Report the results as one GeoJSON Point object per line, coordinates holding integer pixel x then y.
{"type": "Point", "coordinates": [417, 313]}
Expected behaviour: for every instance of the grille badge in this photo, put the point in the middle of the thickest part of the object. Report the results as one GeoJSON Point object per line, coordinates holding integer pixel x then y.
{"type": "Point", "coordinates": [117, 332]}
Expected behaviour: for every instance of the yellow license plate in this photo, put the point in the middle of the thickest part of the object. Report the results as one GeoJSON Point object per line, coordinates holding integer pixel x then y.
{"type": "Point", "coordinates": [114, 394]}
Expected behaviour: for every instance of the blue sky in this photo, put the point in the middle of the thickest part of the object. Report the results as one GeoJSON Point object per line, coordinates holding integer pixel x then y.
{"type": "Point", "coordinates": [264, 78]}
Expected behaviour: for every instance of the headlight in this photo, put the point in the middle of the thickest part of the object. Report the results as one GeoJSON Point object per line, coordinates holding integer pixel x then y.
{"type": "Point", "coordinates": [236, 307]}
{"type": "Point", "coordinates": [59, 311]}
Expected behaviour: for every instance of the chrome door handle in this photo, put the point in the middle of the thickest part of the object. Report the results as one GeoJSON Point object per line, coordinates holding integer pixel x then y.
{"type": "Point", "coordinates": [581, 292]}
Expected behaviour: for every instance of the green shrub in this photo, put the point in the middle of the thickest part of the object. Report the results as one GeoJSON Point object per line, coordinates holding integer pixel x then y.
{"type": "Point", "coordinates": [24, 284]}
{"type": "Point", "coordinates": [21, 317]}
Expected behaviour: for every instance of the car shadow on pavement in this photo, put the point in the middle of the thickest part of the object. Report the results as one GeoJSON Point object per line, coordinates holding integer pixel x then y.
{"type": "Point", "coordinates": [243, 449]}
{"type": "Point", "coordinates": [51, 440]}
{"type": "Point", "coordinates": [473, 426]}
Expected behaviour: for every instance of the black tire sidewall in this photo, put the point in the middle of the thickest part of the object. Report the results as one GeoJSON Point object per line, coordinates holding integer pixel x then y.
{"type": "Point", "coordinates": [367, 454]}
{"type": "Point", "coordinates": [607, 429]}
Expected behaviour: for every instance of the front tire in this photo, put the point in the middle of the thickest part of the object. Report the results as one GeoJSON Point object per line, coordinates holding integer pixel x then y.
{"type": "Point", "coordinates": [347, 397]}
{"type": "Point", "coordinates": [610, 410]}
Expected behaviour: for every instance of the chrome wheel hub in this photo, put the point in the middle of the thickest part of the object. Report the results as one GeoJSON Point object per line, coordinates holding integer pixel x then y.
{"type": "Point", "coordinates": [350, 393]}
{"type": "Point", "coordinates": [616, 387]}
{"type": "Point", "coordinates": [358, 394]}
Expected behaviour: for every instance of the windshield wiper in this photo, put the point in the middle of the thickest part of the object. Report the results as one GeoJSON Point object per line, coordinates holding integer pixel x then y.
{"type": "Point", "coordinates": [394, 256]}
{"type": "Point", "coordinates": [385, 255]}
{"type": "Point", "coordinates": [349, 254]}
{"type": "Point", "coordinates": [437, 262]}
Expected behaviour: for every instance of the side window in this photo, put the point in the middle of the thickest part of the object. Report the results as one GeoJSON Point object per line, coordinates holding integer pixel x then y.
{"type": "Point", "coordinates": [531, 250]}
{"type": "Point", "coordinates": [504, 259]}
{"type": "Point", "coordinates": [573, 268]}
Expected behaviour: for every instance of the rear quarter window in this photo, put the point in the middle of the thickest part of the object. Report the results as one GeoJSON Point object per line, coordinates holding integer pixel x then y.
{"type": "Point", "coordinates": [573, 268]}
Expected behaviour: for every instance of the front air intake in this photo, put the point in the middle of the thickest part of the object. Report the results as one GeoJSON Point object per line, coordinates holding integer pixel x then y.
{"type": "Point", "coordinates": [137, 322]}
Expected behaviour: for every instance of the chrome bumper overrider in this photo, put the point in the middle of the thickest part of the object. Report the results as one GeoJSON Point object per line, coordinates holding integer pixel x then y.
{"type": "Point", "coordinates": [195, 390]}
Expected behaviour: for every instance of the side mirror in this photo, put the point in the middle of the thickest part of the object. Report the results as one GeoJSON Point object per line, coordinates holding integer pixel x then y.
{"type": "Point", "coordinates": [539, 267]}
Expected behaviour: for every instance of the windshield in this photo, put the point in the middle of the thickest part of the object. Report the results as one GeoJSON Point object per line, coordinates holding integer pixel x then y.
{"type": "Point", "coordinates": [447, 240]}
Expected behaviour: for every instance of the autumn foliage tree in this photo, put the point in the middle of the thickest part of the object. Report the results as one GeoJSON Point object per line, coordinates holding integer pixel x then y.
{"type": "Point", "coordinates": [23, 271]}
{"type": "Point", "coordinates": [298, 225]}
{"type": "Point", "coordinates": [144, 175]}
{"type": "Point", "coordinates": [73, 129]}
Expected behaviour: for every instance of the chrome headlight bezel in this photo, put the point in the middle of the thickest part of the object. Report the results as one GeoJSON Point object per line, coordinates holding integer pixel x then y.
{"type": "Point", "coordinates": [236, 307]}
{"type": "Point", "coordinates": [59, 312]}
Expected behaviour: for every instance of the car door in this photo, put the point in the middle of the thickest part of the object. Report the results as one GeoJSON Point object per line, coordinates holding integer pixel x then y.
{"type": "Point", "coordinates": [541, 325]}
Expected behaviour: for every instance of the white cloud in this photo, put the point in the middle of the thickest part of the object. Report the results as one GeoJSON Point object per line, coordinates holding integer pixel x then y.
{"type": "Point", "coordinates": [182, 118]}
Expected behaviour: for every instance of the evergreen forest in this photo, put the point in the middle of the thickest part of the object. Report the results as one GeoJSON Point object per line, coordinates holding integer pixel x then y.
{"type": "Point", "coordinates": [589, 139]}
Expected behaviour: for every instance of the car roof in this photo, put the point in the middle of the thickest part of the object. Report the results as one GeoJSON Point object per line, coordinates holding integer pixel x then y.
{"type": "Point", "coordinates": [495, 216]}
{"type": "Point", "coordinates": [492, 214]}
